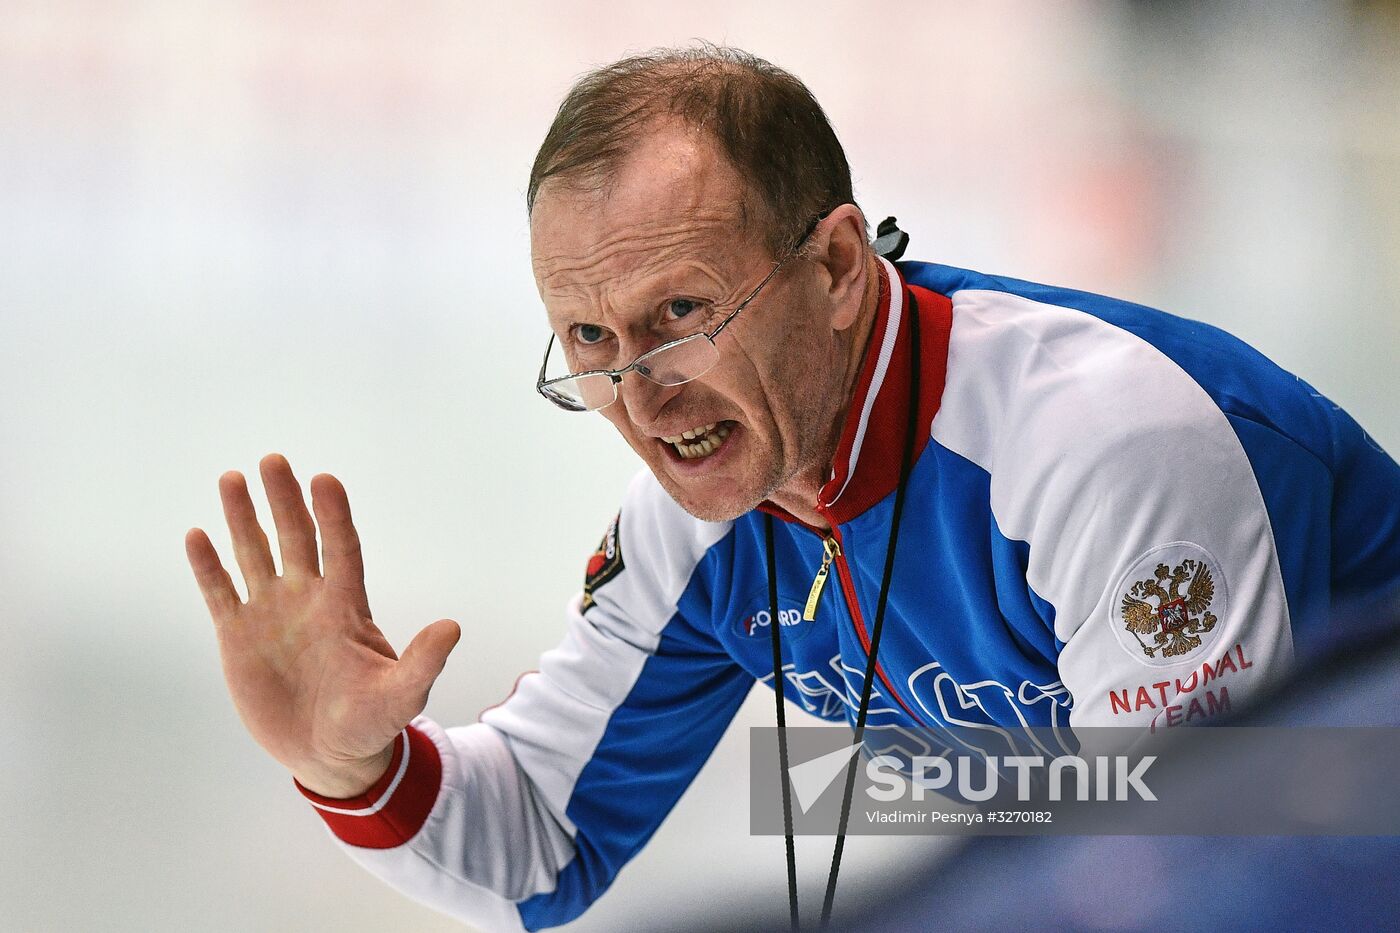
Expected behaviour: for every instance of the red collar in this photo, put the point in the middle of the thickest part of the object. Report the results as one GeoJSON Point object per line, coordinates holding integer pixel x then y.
{"type": "Point", "coordinates": [866, 466]}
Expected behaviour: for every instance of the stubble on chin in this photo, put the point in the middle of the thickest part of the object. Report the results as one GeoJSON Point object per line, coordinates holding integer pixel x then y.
{"type": "Point", "coordinates": [707, 511]}
{"type": "Point", "coordinates": [739, 497]}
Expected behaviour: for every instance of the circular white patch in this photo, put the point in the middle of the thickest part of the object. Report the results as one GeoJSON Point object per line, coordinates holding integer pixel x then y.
{"type": "Point", "coordinates": [1169, 606]}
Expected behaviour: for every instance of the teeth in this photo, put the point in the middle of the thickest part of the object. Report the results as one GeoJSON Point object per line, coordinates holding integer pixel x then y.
{"type": "Point", "coordinates": [691, 434]}
{"type": "Point", "coordinates": [703, 441]}
{"type": "Point", "coordinates": [694, 433]}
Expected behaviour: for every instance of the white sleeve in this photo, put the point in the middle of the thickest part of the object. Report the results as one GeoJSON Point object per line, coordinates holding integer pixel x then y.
{"type": "Point", "coordinates": [485, 842]}
{"type": "Point", "coordinates": [1146, 527]}
{"type": "Point", "coordinates": [522, 819]}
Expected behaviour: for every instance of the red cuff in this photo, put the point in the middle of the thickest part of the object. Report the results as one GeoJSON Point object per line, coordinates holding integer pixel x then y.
{"type": "Point", "coordinates": [391, 811]}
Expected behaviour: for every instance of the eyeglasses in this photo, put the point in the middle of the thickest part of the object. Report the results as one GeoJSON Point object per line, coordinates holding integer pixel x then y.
{"type": "Point", "coordinates": [674, 363]}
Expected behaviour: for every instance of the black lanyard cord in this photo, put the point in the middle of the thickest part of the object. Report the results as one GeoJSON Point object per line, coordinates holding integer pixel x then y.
{"type": "Point", "coordinates": [773, 627]}
{"type": "Point", "coordinates": [906, 465]}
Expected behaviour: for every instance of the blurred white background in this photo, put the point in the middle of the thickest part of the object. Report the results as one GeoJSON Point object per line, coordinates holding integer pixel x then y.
{"type": "Point", "coordinates": [233, 228]}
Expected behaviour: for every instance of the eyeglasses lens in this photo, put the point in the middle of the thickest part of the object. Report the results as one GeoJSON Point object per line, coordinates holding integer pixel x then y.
{"type": "Point", "coordinates": [679, 363]}
{"type": "Point", "coordinates": [583, 393]}
{"type": "Point", "coordinates": [668, 366]}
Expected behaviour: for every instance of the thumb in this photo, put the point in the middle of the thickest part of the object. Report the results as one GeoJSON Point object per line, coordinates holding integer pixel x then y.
{"type": "Point", "coordinates": [422, 662]}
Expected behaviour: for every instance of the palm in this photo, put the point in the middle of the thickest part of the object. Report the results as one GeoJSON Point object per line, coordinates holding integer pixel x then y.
{"type": "Point", "coordinates": [313, 678]}
{"type": "Point", "coordinates": [305, 667]}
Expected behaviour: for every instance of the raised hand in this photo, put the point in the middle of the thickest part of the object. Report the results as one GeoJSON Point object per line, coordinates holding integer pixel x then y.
{"type": "Point", "coordinates": [313, 678]}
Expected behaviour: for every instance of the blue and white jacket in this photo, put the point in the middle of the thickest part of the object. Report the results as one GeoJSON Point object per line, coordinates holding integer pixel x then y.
{"type": "Point", "coordinates": [1115, 517]}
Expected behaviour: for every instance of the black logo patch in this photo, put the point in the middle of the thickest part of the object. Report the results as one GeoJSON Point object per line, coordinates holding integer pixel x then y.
{"type": "Point", "coordinates": [605, 563]}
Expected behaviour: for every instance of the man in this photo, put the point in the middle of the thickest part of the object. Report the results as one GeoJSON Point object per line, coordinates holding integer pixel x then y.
{"type": "Point", "coordinates": [1049, 509]}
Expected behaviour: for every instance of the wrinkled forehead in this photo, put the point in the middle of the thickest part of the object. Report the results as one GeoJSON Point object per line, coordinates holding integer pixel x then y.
{"type": "Point", "coordinates": [675, 196]}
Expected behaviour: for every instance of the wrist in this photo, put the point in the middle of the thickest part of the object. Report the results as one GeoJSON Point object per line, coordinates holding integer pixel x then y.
{"type": "Point", "coordinates": [392, 809]}
{"type": "Point", "coordinates": [342, 780]}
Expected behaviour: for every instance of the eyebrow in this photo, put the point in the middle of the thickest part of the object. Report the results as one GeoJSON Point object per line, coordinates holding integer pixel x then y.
{"type": "Point", "coordinates": [668, 283]}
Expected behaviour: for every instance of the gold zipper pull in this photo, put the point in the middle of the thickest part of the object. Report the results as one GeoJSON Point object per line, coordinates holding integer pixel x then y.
{"type": "Point", "coordinates": [830, 549]}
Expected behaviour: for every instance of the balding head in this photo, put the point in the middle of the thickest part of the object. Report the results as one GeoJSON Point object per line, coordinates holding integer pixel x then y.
{"type": "Point", "coordinates": [763, 120]}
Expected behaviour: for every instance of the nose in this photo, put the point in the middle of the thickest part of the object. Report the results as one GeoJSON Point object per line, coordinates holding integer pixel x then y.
{"type": "Point", "coordinates": [644, 399]}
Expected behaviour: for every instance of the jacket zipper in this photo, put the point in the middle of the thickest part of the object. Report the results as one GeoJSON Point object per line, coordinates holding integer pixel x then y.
{"type": "Point", "coordinates": [830, 549]}
{"type": "Point", "coordinates": [848, 590]}
{"type": "Point", "coordinates": [832, 553]}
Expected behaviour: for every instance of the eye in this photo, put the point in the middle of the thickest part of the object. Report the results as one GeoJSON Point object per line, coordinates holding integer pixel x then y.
{"type": "Point", "coordinates": [589, 334]}
{"type": "Point", "coordinates": [681, 307]}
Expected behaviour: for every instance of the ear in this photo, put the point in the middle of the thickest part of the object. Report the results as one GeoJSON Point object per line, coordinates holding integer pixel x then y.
{"type": "Point", "coordinates": [841, 250]}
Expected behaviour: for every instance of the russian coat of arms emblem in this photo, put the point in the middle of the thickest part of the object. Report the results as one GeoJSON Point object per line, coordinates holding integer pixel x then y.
{"type": "Point", "coordinates": [1163, 618]}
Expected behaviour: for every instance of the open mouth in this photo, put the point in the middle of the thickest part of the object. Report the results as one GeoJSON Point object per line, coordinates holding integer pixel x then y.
{"type": "Point", "coordinates": [700, 442]}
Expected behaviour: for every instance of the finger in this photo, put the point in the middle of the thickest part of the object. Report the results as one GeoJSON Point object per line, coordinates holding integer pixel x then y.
{"type": "Point", "coordinates": [249, 541]}
{"type": "Point", "coordinates": [422, 662]}
{"type": "Point", "coordinates": [343, 564]}
{"type": "Point", "coordinates": [296, 533]}
{"type": "Point", "coordinates": [214, 581]}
